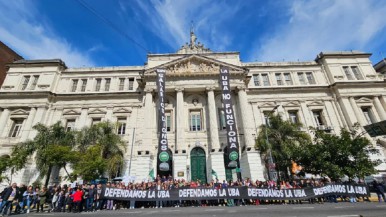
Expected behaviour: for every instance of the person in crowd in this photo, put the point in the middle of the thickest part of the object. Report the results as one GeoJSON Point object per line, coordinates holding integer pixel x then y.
{"type": "Point", "coordinates": [380, 190]}
{"type": "Point", "coordinates": [28, 197]}
{"type": "Point", "coordinates": [43, 195]}
{"type": "Point", "coordinates": [99, 200]}
{"type": "Point", "coordinates": [77, 199]}
{"type": "Point", "coordinates": [90, 198]}
{"type": "Point", "coordinates": [10, 195]}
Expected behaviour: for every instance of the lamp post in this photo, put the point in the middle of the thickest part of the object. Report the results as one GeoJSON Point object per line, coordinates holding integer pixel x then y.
{"type": "Point", "coordinates": [271, 167]}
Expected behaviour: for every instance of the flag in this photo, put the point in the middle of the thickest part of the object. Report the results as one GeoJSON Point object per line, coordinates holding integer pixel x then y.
{"type": "Point", "coordinates": [214, 174]}
{"type": "Point", "coordinates": [151, 174]}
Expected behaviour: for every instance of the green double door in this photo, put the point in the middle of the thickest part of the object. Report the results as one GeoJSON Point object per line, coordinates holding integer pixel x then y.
{"type": "Point", "coordinates": [198, 165]}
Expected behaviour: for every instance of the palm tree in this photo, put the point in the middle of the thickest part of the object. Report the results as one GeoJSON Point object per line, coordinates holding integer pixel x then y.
{"type": "Point", "coordinates": [281, 138]}
{"type": "Point", "coordinates": [111, 145]}
{"type": "Point", "coordinates": [51, 147]}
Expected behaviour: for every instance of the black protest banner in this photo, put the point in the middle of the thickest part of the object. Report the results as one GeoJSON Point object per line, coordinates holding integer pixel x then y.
{"type": "Point", "coordinates": [232, 152]}
{"type": "Point", "coordinates": [163, 154]}
{"type": "Point", "coordinates": [235, 193]}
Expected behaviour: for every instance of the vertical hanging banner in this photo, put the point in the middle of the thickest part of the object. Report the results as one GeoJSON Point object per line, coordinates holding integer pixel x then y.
{"type": "Point", "coordinates": [163, 155]}
{"type": "Point", "coordinates": [230, 123]}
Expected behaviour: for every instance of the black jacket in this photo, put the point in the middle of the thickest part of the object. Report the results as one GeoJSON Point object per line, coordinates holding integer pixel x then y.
{"type": "Point", "coordinates": [7, 192]}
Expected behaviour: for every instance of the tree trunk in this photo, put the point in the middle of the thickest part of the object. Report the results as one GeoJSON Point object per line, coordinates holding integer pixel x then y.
{"type": "Point", "coordinates": [48, 175]}
{"type": "Point", "coordinates": [69, 176]}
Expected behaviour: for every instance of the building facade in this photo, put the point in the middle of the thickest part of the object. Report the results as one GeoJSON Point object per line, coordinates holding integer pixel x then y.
{"type": "Point", "coordinates": [7, 55]}
{"type": "Point", "coordinates": [335, 91]}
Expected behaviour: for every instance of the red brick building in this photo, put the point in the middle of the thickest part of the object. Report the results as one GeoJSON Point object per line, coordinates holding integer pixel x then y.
{"type": "Point", "coordinates": [7, 55]}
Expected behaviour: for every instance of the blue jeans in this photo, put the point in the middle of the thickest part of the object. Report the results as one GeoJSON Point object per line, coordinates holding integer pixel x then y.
{"type": "Point", "coordinates": [89, 204]}
{"type": "Point", "coordinates": [132, 204]}
{"type": "Point", "coordinates": [6, 206]}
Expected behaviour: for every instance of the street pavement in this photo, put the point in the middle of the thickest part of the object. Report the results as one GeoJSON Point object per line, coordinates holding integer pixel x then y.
{"type": "Point", "coordinates": [344, 209]}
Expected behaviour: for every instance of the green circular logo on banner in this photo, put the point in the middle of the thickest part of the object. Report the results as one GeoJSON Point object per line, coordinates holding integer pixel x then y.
{"type": "Point", "coordinates": [233, 155]}
{"type": "Point", "coordinates": [164, 156]}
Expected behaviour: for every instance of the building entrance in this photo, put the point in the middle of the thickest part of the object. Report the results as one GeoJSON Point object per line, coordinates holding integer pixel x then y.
{"type": "Point", "coordinates": [198, 165]}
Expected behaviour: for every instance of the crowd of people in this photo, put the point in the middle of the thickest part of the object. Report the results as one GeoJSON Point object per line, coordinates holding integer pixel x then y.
{"type": "Point", "coordinates": [87, 197]}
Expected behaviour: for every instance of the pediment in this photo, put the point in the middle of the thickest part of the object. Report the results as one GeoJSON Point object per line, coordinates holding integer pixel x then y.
{"type": "Point", "coordinates": [19, 112]}
{"type": "Point", "coordinates": [267, 105]}
{"type": "Point", "coordinates": [364, 100]}
{"type": "Point", "coordinates": [292, 104]}
{"type": "Point", "coordinates": [193, 65]}
{"type": "Point", "coordinates": [315, 103]}
{"type": "Point", "coordinates": [71, 112]}
{"type": "Point", "coordinates": [97, 111]}
{"type": "Point", "coordinates": [122, 110]}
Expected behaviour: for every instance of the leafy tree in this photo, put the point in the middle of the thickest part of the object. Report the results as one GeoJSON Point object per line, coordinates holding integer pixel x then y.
{"type": "Point", "coordinates": [283, 138]}
{"type": "Point", "coordinates": [4, 165]}
{"type": "Point", "coordinates": [90, 165]}
{"type": "Point", "coordinates": [110, 145]}
{"type": "Point", "coordinates": [52, 146]}
{"type": "Point", "coordinates": [338, 155]}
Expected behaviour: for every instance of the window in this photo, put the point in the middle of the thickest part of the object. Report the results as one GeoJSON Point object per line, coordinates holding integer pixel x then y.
{"type": "Point", "coordinates": [221, 113]}
{"type": "Point", "coordinates": [287, 78]}
{"type": "Point", "coordinates": [70, 125]}
{"type": "Point", "coordinates": [131, 83]}
{"type": "Point", "coordinates": [357, 73]}
{"type": "Point", "coordinates": [98, 84]}
{"type": "Point", "coordinates": [256, 80]}
{"type": "Point", "coordinates": [16, 127]}
{"type": "Point", "coordinates": [266, 117]}
{"type": "Point", "coordinates": [368, 115]}
{"type": "Point", "coordinates": [348, 73]}
{"type": "Point", "coordinates": [301, 78]}
{"type": "Point", "coordinates": [168, 116]}
{"type": "Point", "coordinates": [279, 79]}
{"type": "Point", "coordinates": [25, 82]}
{"type": "Point", "coordinates": [293, 116]}
{"type": "Point", "coordinates": [107, 85]}
{"type": "Point", "coordinates": [353, 70]}
{"type": "Point", "coordinates": [95, 121]}
{"type": "Point", "coordinates": [121, 130]}
{"type": "Point", "coordinates": [310, 78]}
{"type": "Point", "coordinates": [34, 82]}
{"type": "Point", "coordinates": [121, 83]}
{"type": "Point", "coordinates": [84, 84]}
{"type": "Point", "coordinates": [195, 121]}
{"type": "Point", "coordinates": [74, 85]}
{"type": "Point", "coordinates": [265, 79]}
{"type": "Point", "coordinates": [318, 117]}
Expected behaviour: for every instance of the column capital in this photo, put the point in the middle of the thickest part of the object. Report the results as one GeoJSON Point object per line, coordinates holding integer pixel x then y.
{"type": "Point", "coordinates": [241, 88]}
{"type": "Point", "coordinates": [210, 88]}
{"type": "Point", "coordinates": [179, 89]}
{"type": "Point", "coordinates": [149, 90]}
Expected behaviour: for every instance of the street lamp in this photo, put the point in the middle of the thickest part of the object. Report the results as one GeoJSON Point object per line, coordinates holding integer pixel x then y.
{"type": "Point", "coordinates": [271, 167]}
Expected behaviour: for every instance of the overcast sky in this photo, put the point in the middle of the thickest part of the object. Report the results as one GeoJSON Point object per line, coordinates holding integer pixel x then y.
{"type": "Point", "coordinates": [121, 32]}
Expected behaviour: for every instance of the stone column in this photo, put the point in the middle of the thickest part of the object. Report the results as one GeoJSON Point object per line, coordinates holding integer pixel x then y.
{"type": "Point", "coordinates": [3, 120]}
{"type": "Point", "coordinates": [180, 129]}
{"type": "Point", "coordinates": [333, 117]}
{"type": "Point", "coordinates": [28, 124]}
{"type": "Point", "coordinates": [82, 121]}
{"type": "Point", "coordinates": [39, 118]}
{"type": "Point", "coordinates": [357, 112]}
{"type": "Point", "coordinates": [213, 126]}
{"type": "Point", "coordinates": [307, 115]}
{"type": "Point", "coordinates": [148, 118]}
{"type": "Point", "coordinates": [379, 108]}
{"type": "Point", "coordinates": [246, 117]}
{"type": "Point", "coordinates": [347, 112]}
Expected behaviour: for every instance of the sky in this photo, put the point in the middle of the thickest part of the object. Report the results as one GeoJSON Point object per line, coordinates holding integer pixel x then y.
{"type": "Point", "coordinates": [86, 33]}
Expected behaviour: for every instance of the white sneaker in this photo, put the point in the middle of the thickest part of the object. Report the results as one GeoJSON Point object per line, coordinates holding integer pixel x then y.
{"type": "Point", "coordinates": [160, 207]}
{"type": "Point", "coordinates": [27, 210]}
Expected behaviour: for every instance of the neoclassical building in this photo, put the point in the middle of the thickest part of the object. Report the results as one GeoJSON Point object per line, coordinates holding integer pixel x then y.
{"type": "Point", "coordinates": [336, 90]}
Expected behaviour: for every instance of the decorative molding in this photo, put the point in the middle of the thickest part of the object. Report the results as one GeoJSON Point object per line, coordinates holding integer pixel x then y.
{"type": "Point", "coordinates": [43, 86]}
{"type": "Point", "coordinates": [292, 104]}
{"type": "Point", "coordinates": [210, 88]}
{"type": "Point", "coordinates": [315, 103]}
{"type": "Point", "coordinates": [122, 110]}
{"type": "Point", "coordinates": [267, 105]}
{"type": "Point", "coordinates": [19, 112]}
{"type": "Point", "coordinates": [97, 111]}
{"type": "Point", "coordinates": [71, 112]}
{"type": "Point", "coordinates": [179, 89]}
{"type": "Point", "coordinates": [8, 87]}
{"type": "Point", "coordinates": [364, 100]}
